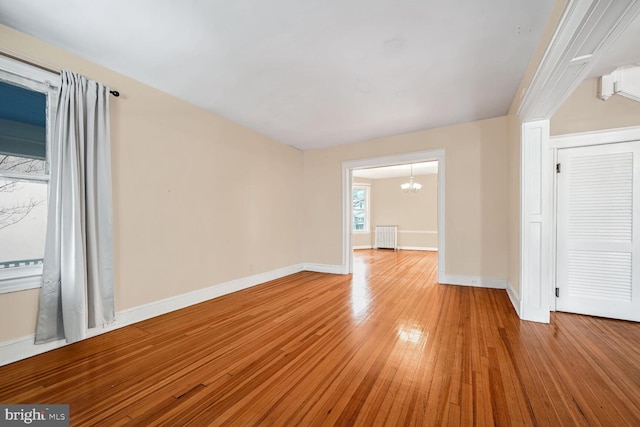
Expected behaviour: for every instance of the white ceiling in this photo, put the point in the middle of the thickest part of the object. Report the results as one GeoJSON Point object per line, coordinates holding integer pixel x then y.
{"type": "Point", "coordinates": [425, 168]}
{"type": "Point", "coordinates": [308, 73]}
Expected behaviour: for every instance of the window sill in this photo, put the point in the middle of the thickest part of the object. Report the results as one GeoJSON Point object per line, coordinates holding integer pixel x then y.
{"type": "Point", "coordinates": [21, 279]}
{"type": "Point", "coordinates": [362, 232]}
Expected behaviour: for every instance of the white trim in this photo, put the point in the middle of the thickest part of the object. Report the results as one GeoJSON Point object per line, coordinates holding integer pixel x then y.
{"type": "Point", "coordinates": [600, 137]}
{"type": "Point", "coordinates": [20, 272]}
{"type": "Point", "coordinates": [414, 157]}
{"type": "Point", "coordinates": [37, 80]}
{"type": "Point", "coordinates": [23, 283]}
{"type": "Point", "coordinates": [548, 208]}
{"type": "Point", "coordinates": [418, 232]}
{"type": "Point", "coordinates": [21, 348]}
{"type": "Point", "coordinates": [24, 347]}
{"type": "Point", "coordinates": [402, 248]}
{"type": "Point", "coordinates": [158, 308]}
{"type": "Point", "coordinates": [22, 70]}
{"type": "Point", "coordinates": [474, 281]}
{"type": "Point", "coordinates": [20, 176]}
{"type": "Point", "coordinates": [515, 301]}
{"type": "Point", "coordinates": [323, 268]}
{"type": "Point", "coordinates": [549, 236]}
{"type": "Point", "coordinates": [564, 66]}
{"type": "Point", "coordinates": [417, 248]}
{"type": "Point", "coordinates": [347, 215]}
{"type": "Point", "coordinates": [535, 252]}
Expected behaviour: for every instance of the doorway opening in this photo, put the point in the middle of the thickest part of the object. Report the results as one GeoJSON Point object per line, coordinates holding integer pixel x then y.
{"type": "Point", "coordinates": [395, 207]}
{"type": "Point", "coordinates": [435, 158]}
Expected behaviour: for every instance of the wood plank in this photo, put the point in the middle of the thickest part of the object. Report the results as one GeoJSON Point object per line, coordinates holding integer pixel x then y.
{"type": "Point", "coordinates": [384, 346]}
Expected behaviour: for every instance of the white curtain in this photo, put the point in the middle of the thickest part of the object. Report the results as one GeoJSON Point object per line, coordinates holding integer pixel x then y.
{"type": "Point", "coordinates": [77, 289]}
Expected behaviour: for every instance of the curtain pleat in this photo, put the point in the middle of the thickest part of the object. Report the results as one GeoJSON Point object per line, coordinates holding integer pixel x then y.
{"type": "Point", "coordinates": [77, 289]}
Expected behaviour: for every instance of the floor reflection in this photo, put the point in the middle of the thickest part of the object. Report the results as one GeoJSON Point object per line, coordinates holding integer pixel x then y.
{"type": "Point", "coordinates": [360, 291]}
{"type": "Point", "coordinates": [410, 334]}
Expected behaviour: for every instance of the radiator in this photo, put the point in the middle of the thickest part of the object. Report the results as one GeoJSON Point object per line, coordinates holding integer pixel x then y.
{"type": "Point", "coordinates": [386, 237]}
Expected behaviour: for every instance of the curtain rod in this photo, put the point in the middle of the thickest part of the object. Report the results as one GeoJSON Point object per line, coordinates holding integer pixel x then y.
{"type": "Point", "coordinates": [45, 68]}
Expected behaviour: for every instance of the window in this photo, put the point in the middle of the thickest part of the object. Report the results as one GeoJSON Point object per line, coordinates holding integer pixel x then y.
{"type": "Point", "coordinates": [27, 102]}
{"type": "Point", "coordinates": [360, 208]}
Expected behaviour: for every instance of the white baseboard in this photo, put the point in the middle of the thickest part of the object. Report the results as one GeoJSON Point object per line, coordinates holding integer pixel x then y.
{"type": "Point", "coordinates": [402, 248]}
{"type": "Point", "coordinates": [168, 305]}
{"type": "Point", "coordinates": [21, 348]}
{"type": "Point", "coordinates": [535, 314]}
{"type": "Point", "coordinates": [515, 300]}
{"type": "Point", "coordinates": [324, 268]}
{"type": "Point", "coordinates": [417, 248]}
{"type": "Point", "coordinates": [480, 282]}
{"type": "Point", "coordinates": [24, 347]}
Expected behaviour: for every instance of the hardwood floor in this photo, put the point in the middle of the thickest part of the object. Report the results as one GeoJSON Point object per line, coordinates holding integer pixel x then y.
{"type": "Point", "coordinates": [386, 346]}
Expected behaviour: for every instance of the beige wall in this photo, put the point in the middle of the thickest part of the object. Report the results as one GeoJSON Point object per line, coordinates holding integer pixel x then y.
{"type": "Point", "coordinates": [409, 211]}
{"type": "Point", "coordinates": [515, 126]}
{"type": "Point", "coordinates": [476, 194]}
{"type": "Point", "coordinates": [583, 111]}
{"type": "Point", "coordinates": [362, 240]}
{"type": "Point", "coordinates": [415, 214]}
{"type": "Point", "coordinates": [198, 200]}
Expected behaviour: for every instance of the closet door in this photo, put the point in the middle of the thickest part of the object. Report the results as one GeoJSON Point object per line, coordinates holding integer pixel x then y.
{"type": "Point", "coordinates": [598, 231]}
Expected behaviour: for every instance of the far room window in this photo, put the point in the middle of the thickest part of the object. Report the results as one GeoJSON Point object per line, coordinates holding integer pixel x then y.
{"type": "Point", "coordinates": [25, 117]}
{"type": "Point", "coordinates": [360, 208]}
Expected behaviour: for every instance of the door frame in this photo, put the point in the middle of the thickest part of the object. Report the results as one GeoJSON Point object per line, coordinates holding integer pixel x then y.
{"type": "Point", "coordinates": [574, 140]}
{"type": "Point", "coordinates": [398, 159]}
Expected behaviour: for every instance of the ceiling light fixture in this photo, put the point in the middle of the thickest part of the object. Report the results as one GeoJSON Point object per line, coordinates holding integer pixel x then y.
{"type": "Point", "coordinates": [411, 186]}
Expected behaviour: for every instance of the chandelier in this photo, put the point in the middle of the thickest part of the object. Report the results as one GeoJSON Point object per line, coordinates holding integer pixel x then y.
{"type": "Point", "coordinates": [411, 186]}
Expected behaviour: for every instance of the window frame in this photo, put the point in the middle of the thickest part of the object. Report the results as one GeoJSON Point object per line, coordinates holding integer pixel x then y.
{"type": "Point", "coordinates": [32, 78]}
{"type": "Point", "coordinates": [367, 208]}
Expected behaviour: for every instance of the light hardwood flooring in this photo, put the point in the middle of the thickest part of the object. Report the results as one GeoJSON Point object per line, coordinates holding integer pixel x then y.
{"type": "Point", "coordinates": [386, 346]}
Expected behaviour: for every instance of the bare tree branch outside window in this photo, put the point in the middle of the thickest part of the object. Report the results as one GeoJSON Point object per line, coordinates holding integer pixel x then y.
{"type": "Point", "coordinates": [16, 212]}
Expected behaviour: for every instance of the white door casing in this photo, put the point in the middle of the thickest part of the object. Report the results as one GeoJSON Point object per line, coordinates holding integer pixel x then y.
{"type": "Point", "coordinates": [598, 252]}
{"type": "Point", "coordinates": [412, 157]}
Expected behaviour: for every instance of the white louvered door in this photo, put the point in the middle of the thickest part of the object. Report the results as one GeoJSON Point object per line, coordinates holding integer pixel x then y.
{"type": "Point", "coordinates": [598, 264]}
